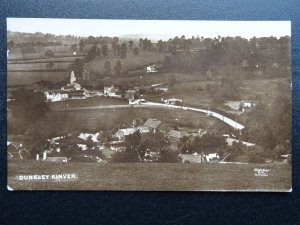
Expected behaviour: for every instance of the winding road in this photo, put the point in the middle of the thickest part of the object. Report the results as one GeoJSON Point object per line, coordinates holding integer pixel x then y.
{"type": "Point", "coordinates": [225, 119]}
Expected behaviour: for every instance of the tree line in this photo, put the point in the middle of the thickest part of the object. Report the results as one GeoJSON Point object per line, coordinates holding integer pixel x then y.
{"type": "Point", "coordinates": [201, 54]}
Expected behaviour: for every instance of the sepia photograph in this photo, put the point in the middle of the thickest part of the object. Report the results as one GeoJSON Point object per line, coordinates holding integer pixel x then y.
{"type": "Point", "coordinates": [149, 105]}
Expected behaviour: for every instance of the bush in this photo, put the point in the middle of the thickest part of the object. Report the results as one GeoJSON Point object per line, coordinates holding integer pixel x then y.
{"type": "Point", "coordinates": [168, 156]}
{"type": "Point", "coordinates": [49, 54]}
{"type": "Point", "coordinates": [256, 156]}
{"type": "Point", "coordinates": [125, 157]}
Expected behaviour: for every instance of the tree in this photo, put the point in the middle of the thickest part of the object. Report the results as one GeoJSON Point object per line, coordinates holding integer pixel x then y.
{"type": "Point", "coordinates": [77, 66]}
{"type": "Point", "coordinates": [125, 157]}
{"type": "Point", "coordinates": [123, 51]}
{"type": "Point", "coordinates": [98, 52]}
{"type": "Point", "coordinates": [208, 143]}
{"type": "Point", "coordinates": [118, 68]}
{"type": "Point", "coordinates": [107, 68]}
{"type": "Point", "coordinates": [130, 155]}
{"type": "Point", "coordinates": [29, 104]}
{"type": "Point", "coordinates": [115, 46]}
{"type": "Point", "coordinates": [133, 140]}
{"type": "Point", "coordinates": [10, 45]}
{"type": "Point", "coordinates": [104, 50]}
{"type": "Point", "coordinates": [171, 80]}
{"type": "Point", "coordinates": [91, 40]}
{"type": "Point", "coordinates": [169, 156]}
{"type": "Point", "coordinates": [256, 155]}
{"type": "Point", "coordinates": [28, 109]}
{"type": "Point", "coordinates": [184, 145]}
{"type": "Point", "coordinates": [74, 47]}
{"type": "Point", "coordinates": [130, 44]}
{"type": "Point", "coordinates": [91, 53]}
{"type": "Point", "coordinates": [81, 45]}
{"type": "Point", "coordinates": [136, 51]}
{"type": "Point", "coordinates": [160, 45]}
{"type": "Point", "coordinates": [49, 53]}
{"type": "Point", "coordinates": [151, 142]}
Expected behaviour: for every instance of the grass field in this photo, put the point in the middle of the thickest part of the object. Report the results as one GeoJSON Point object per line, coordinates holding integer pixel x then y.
{"type": "Point", "coordinates": [131, 62]}
{"type": "Point", "coordinates": [94, 101]}
{"type": "Point", "coordinates": [28, 78]}
{"type": "Point", "coordinates": [152, 176]}
{"type": "Point", "coordinates": [38, 66]}
{"type": "Point", "coordinates": [103, 119]}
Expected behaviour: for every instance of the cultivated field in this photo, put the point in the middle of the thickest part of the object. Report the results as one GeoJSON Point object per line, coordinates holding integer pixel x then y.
{"type": "Point", "coordinates": [152, 176]}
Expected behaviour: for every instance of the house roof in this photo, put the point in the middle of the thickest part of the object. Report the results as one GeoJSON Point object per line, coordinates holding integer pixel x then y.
{"type": "Point", "coordinates": [127, 131]}
{"type": "Point", "coordinates": [67, 87]}
{"type": "Point", "coordinates": [131, 130]}
{"type": "Point", "coordinates": [131, 91]}
{"type": "Point", "coordinates": [191, 157]}
{"type": "Point", "coordinates": [177, 134]}
{"type": "Point", "coordinates": [152, 123]}
{"type": "Point", "coordinates": [71, 140]}
{"type": "Point", "coordinates": [143, 129]}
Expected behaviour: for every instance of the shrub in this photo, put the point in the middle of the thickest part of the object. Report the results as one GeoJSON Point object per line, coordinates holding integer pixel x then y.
{"type": "Point", "coordinates": [49, 53]}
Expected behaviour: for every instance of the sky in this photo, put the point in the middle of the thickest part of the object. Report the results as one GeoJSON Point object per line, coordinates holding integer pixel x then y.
{"type": "Point", "coordinates": [163, 28]}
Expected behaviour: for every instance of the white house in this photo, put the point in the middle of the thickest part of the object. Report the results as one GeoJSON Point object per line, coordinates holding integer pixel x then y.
{"type": "Point", "coordinates": [94, 137]}
{"type": "Point", "coordinates": [56, 96]}
{"type": "Point", "coordinates": [151, 69]}
{"type": "Point", "coordinates": [111, 91]}
{"type": "Point", "coordinates": [173, 101]}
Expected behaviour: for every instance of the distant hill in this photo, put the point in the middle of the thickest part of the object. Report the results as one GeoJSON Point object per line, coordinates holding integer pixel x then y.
{"type": "Point", "coordinates": [152, 37]}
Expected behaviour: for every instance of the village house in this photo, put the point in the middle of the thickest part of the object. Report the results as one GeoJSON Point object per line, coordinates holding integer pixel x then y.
{"type": "Point", "coordinates": [162, 89]}
{"type": "Point", "coordinates": [56, 159]}
{"type": "Point", "coordinates": [230, 141]}
{"type": "Point", "coordinates": [175, 135]}
{"type": "Point", "coordinates": [191, 158]}
{"type": "Point", "coordinates": [67, 88]}
{"type": "Point", "coordinates": [77, 94]}
{"type": "Point", "coordinates": [151, 156]}
{"type": "Point", "coordinates": [51, 158]}
{"type": "Point", "coordinates": [153, 124]}
{"type": "Point", "coordinates": [121, 134]}
{"type": "Point", "coordinates": [93, 93]}
{"type": "Point", "coordinates": [212, 158]}
{"type": "Point", "coordinates": [153, 68]}
{"type": "Point", "coordinates": [86, 136]}
{"type": "Point", "coordinates": [132, 94]}
{"type": "Point", "coordinates": [173, 101]}
{"type": "Point", "coordinates": [56, 96]}
{"type": "Point", "coordinates": [111, 92]}
{"type": "Point", "coordinates": [240, 105]}
{"type": "Point", "coordinates": [200, 158]}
